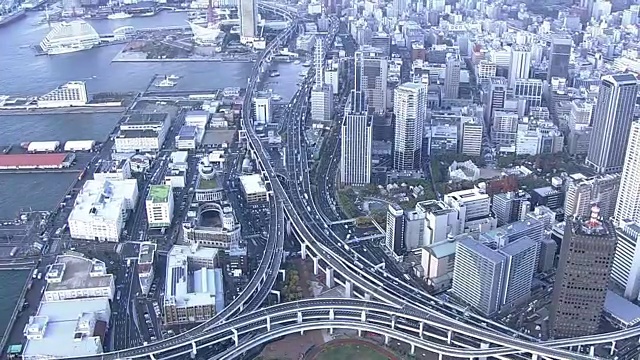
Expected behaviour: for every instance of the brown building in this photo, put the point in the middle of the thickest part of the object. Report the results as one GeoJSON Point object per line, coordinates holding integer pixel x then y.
{"type": "Point", "coordinates": [586, 258]}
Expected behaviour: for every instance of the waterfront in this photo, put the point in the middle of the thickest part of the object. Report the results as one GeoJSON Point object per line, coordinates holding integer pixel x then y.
{"type": "Point", "coordinates": [12, 282]}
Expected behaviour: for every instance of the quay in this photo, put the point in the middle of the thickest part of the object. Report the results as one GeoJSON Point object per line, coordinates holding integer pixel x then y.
{"type": "Point", "coordinates": [61, 110]}
{"type": "Point", "coordinates": [39, 171]}
{"type": "Point", "coordinates": [140, 60]}
{"type": "Point", "coordinates": [17, 308]}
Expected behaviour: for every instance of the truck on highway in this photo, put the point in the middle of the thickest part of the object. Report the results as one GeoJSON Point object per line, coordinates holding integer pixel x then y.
{"type": "Point", "coordinates": [14, 251]}
{"type": "Point", "coordinates": [34, 274]}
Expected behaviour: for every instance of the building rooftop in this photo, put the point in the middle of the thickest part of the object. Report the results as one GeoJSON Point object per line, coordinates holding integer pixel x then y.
{"type": "Point", "coordinates": [446, 248]}
{"type": "Point", "coordinates": [103, 200]}
{"type": "Point", "coordinates": [22, 160]}
{"type": "Point", "coordinates": [147, 253]}
{"type": "Point", "coordinates": [159, 193]}
{"type": "Point", "coordinates": [621, 309]}
{"type": "Point", "coordinates": [481, 249]}
{"type": "Point", "coordinates": [207, 184]}
{"type": "Point", "coordinates": [435, 207]}
{"type": "Point", "coordinates": [68, 328]}
{"type": "Point", "coordinates": [253, 184]}
{"type": "Point", "coordinates": [178, 157]}
{"type": "Point", "coordinates": [72, 271]}
{"type": "Point", "coordinates": [143, 119]}
{"type": "Point", "coordinates": [517, 246]}
{"type": "Point", "coordinates": [186, 286]}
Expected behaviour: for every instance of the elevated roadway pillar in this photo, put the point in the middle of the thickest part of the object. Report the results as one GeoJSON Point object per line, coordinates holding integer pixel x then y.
{"type": "Point", "coordinates": [449, 335]}
{"type": "Point", "coordinates": [613, 347]}
{"type": "Point", "coordinates": [367, 296]}
{"type": "Point", "coordinates": [153, 357]}
{"type": "Point", "coordinates": [316, 266]}
{"type": "Point", "coordinates": [421, 329]}
{"type": "Point", "coordinates": [348, 288]}
{"type": "Point", "coordinates": [440, 357]}
{"type": "Point", "coordinates": [332, 315]}
{"type": "Point", "coordinates": [363, 316]}
{"type": "Point", "coordinates": [386, 339]}
{"type": "Point", "coordinates": [303, 250]}
{"type": "Point", "coordinates": [393, 322]}
{"type": "Point", "coordinates": [284, 274]}
{"type": "Point", "coordinates": [235, 336]}
{"type": "Point", "coordinates": [534, 356]}
{"type": "Point", "coordinates": [194, 350]}
{"type": "Point", "coordinates": [592, 350]}
{"type": "Point", "coordinates": [413, 349]}
{"type": "Point", "coordinates": [359, 333]}
{"type": "Point", "coordinates": [277, 293]}
{"type": "Point", "coordinates": [268, 323]}
{"type": "Point", "coordinates": [289, 228]}
{"type": "Point", "coordinates": [329, 278]}
{"type": "Point", "coordinates": [483, 345]}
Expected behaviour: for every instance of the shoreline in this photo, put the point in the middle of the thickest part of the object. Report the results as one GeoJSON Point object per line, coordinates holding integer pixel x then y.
{"type": "Point", "coordinates": [63, 110]}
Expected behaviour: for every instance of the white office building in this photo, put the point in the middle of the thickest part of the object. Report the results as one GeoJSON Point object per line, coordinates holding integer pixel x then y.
{"type": "Point", "coordinates": [409, 105]}
{"type": "Point", "coordinates": [113, 170]}
{"type": "Point", "coordinates": [472, 129]}
{"type": "Point", "coordinates": [159, 205]}
{"type": "Point", "coordinates": [356, 144]}
{"type": "Point", "coordinates": [101, 209]}
{"type": "Point", "coordinates": [440, 221]}
{"type": "Point", "coordinates": [142, 133]}
{"type": "Point", "coordinates": [248, 14]}
{"type": "Point", "coordinates": [520, 64]}
{"type": "Point", "coordinates": [263, 109]}
{"type": "Point", "coordinates": [74, 276]}
{"type": "Point", "coordinates": [628, 205]}
{"type": "Point", "coordinates": [625, 272]}
{"type": "Point", "coordinates": [474, 210]}
{"type": "Point", "coordinates": [146, 258]}
{"type": "Point", "coordinates": [332, 75]}
{"type": "Point", "coordinates": [452, 76]}
{"type": "Point", "coordinates": [321, 105]}
{"type": "Point", "coordinates": [73, 93]}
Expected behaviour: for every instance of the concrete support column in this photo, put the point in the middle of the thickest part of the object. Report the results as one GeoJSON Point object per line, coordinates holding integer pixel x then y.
{"type": "Point", "coordinates": [268, 323]}
{"type": "Point", "coordinates": [284, 275]}
{"type": "Point", "coordinates": [316, 266]}
{"type": "Point", "coordinates": [592, 350]}
{"type": "Point", "coordinates": [277, 293]}
{"type": "Point", "coordinates": [332, 314]}
{"type": "Point", "coordinates": [613, 348]}
{"type": "Point", "coordinates": [348, 289]}
{"type": "Point", "coordinates": [235, 336]}
{"type": "Point", "coordinates": [367, 296]}
{"type": "Point", "coordinates": [329, 278]}
{"type": "Point", "coordinates": [422, 329]}
{"type": "Point", "coordinates": [331, 330]}
{"type": "Point", "coordinates": [449, 336]}
{"type": "Point", "coordinates": [289, 229]}
{"type": "Point", "coordinates": [393, 322]}
{"type": "Point", "coordinates": [386, 339]}
{"type": "Point", "coordinates": [359, 333]}
{"type": "Point", "coordinates": [363, 316]}
{"type": "Point", "coordinates": [534, 356]}
{"type": "Point", "coordinates": [413, 349]}
{"type": "Point", "coordinates": [152, 357]}
{"type": "Point", "coordinates": [439, 356]}
{"type": "Point", "coordinates": [299, 317]}
{"type": "Point", "coordinates": [483, 345]}
{"type": "Point", "coordinates": [303, 250]}
{"type": "Point", "coordinates": [194, 350]}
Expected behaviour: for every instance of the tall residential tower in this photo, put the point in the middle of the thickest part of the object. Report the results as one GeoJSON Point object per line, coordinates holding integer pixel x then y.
{"type": "Point", "coordinates": [409, 107]}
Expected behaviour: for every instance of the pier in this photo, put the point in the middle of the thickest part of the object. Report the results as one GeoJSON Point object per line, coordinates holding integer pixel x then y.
{"type": "Point", "coordinates": [60, 110]}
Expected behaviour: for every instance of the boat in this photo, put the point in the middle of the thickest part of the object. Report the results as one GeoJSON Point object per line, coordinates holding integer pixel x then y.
{"type": "Point", "coordinates": [119, 16]}
{"type": "Point", "coordinates": [166, 83]}
{"type": "Point", "coordinates": [8, 18]}
{"type": "Point", "coordinates": [307, 64]}
{"type": "Point", "coordinates": [297, 62]}
{"type": "Point", "coordinates": [274, 73]}
{"type": "Point", "coordinates": [172, 77]}
{"type": "Point", "coordinates": [276, 97]}
{"type": "Point", "coordinates": [150, 13]}
{"type": "Point", "coordinates": [68, 37]}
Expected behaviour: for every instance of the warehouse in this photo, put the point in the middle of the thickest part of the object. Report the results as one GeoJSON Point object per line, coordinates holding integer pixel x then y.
{"type": "Point", "coordinates": [79, 145]}
{"type": "Point", "coordinates": [35, 161]}
{"type": "Point", "coordinates": [43, 146]}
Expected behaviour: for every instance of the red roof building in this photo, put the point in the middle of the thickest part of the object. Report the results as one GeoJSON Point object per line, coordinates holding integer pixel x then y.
{"type": "Point", "coordinates": [35, 161]}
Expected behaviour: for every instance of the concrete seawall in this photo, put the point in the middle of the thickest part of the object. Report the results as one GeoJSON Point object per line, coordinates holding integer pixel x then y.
{"type": "Point", "coordinates": [14, 315]}
{"type": "Point", "coordinates": [61, 111]}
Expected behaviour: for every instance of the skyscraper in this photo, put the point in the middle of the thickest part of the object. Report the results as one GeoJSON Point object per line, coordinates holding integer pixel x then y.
{"type": "Point", "coordinates": [248, 13]}
{"type": "Point", "coordinates": [452, 76]}
{"type": "Point", "coordinates": [628, 205]}
{"type": "Point", "coordinates": [612, 119]}
{"type": "Point", "coordinates": [373, 69]}
{"type": "Point", "coordinates": [409, 107]}
{"type": "Point", "coordinates": [586, 258]}
{"type": "Point", "coordinates": [582, 193]}
{"type": "Point", "coordinates": [395, 230]}
{"type": "Point", "coordinates": [321, 94]}
{"type": "Point", "coordinates": [559, 55]}
{"type": "Point", "coordinates": [520, 64]}
{"type": "Point", "coordinates": [496, 95]}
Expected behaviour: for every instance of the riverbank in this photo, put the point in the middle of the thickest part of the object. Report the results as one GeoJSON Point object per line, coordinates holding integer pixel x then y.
{"type": "Point", "coordinates": [63, 110]}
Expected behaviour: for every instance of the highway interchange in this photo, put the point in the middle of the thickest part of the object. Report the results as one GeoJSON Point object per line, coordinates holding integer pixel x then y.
{"type": "Point", "coordinates": [398, 299]}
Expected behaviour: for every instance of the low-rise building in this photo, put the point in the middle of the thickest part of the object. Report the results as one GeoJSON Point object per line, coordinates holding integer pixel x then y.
{"type": "Point", "coordinates": [438, 261]}
{"type": "Point", "coordinates": [211, 224]}
{"type": "Point", "coordinates": [101, 209]}
{"type": "Point", "coordinates": [254, 189]}
{"type": "Point", "coordinates": [113, 170]}
{"type": "Point", "coordinates": [75, 276]}
{"type": "Point", "coordinates": [194, 289]}
{"type": "Point", "coordinates": [142, 133]}
{"type": "Point", "coordinates": [146, 258]}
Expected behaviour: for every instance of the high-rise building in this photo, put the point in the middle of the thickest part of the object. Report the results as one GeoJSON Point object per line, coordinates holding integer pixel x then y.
{"type": "Point", "coordinates": [159, 206]}
{"type": "Point", "coordinates": [321, 94]}
{"type": "Point", "coordinates": [248, 14]}
{"type": "Point", "coordinates": [586, 258]}
{"type": "Point", "coordinates": [509, 207]}
{"type": "Point", "coordinates": [357, 138]}
{"type": "Point", "coordinates": [583, 192]}
{"type": "Point", "coordinates": [530, 90]}
{"type": "Point", "coordinates": [373, 69]}
{"type": "Point", "coordinates": [263, 109]}
{"type": "Point", "coordinates": [612, 119]}
{"type": "Point", "coordinates": [559, 56]}
{"type": "Point", "coordinates": [626, 265]}
{"type": "Point", "coordinates": [496, 96]}
{"type": "Point", "coordinates": [520, 64]}
{"type": "Point", "coordinates": [472, 130]}
{"type": "Point", "coordinates": [394, 240]}
{"type": "Point", "coordinates": [452, 76]}
{"type": "Point", "coordinates": [628, 205]}
{"type": "Point", "coordinates": [409, 107]}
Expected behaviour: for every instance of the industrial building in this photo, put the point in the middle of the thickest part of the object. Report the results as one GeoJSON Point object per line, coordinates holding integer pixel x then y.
{"type": "Point", "coordinates": [101, 209]}
{"type": "Point", "coordinates": [35, 161]}
{"type": "Point", "coordinates": [159, 206]}
{"type": "Point", "coordinates": [194, 290]}
{"type": "Point", "coordinates": [43, 146]}
{"type": "Point", "coordinates": [142, 133]}
{"type": "Point", "coordinates": [254, 189]}
{"type": "Point", "coordinates": [79, 145]}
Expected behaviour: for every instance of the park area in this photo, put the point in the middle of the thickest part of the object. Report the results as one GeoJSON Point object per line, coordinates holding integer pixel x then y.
{"type": "Point", "coordinates": [350, 349]}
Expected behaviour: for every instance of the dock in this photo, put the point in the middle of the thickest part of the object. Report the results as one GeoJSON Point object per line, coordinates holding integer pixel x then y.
{"type": "Point", "coordinates": [61, 110]}
{"type": "Point", "coordinates": [14, 315]}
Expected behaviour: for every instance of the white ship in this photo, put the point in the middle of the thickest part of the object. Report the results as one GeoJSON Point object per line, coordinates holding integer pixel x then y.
{"type": "Point", "coordinates": [173, 77]}
{"type": "Point", "coordinates": [276, 97]}
{"type": "Point", "coordinates": [166, 83]}
{"type": "Point", "coordinates": [68, 37]}
{"type": "Point", "coordinates": [118, 16]}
